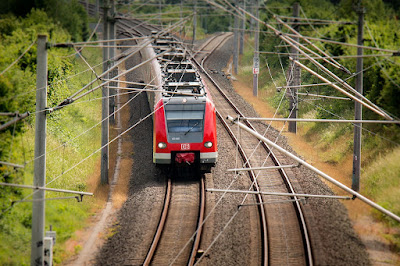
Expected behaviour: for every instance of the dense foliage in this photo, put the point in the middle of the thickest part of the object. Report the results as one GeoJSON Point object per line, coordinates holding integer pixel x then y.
{"type": "Point", "coordinates": [18, 93]}
{"type": "Point", "coordinates": [70, 15]}
{"type": "Point", "coordinates": [381, 79]}
{"type": "Point", "coordinates": [209, 18]}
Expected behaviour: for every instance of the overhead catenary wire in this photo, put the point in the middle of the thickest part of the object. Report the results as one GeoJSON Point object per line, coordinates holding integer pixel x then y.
{"type": "Point", "coordinates": [322, 174]}
{"type": "Point", "coordinates": [46, 188]}
{"type": "Point", "coordinates": [71, 168]}
{"type": "Point", "coordinates": [339, 80]}
{"type": "Point", "coordinates": [69, 100]}
{"type": "Point", "coordinates": [363, 128]}
{"type": "Point", "coordinates": [362, 101]}
{"type": "Point", "coordinates": [324, 84]}
{"type": "Point", "coordinates": [347, 44]}
{"type": "Point", "coordinates": [315, 19]}
{"type": "Point", "coordinates": [105, 41]}
{"type": "Point", "coordinates": [129, 54]}
{"type": "Point", "coordinates": [335, 63]}
{"type": "Point", "coordinates": [351, 56]}
{"type": "Point", "coordinates": [294, 44]}
{"type": "Point", "coordinates": [321, 120]}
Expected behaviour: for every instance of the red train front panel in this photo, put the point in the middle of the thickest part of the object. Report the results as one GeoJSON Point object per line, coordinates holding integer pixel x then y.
{"type": "Point", "coordinates": [185, 131]}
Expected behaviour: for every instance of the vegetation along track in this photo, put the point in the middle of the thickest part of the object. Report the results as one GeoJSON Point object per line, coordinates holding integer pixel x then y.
{"type": "Point", "coordinates": [285, 235]}
{"type": "Point", "coordinates": [182, 215]}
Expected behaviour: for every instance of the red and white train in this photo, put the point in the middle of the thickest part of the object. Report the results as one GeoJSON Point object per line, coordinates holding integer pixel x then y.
{"type": "Point", "coordinates": [184, 117]}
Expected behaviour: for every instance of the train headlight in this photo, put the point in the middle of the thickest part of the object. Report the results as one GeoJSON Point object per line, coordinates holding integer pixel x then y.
{"type": "Point", "coordinates": [208, 144]}
{"type": "Point", "coordinates": [162, 145]}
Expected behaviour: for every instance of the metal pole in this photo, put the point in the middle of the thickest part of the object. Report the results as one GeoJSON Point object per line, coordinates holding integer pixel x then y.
{"type": "Point", "coordinates": [252, 21]}
{"type": "Point", "coordinates": [321, 120]}
{"type": "Point", "coordinates": [38, 206]}
{"type": "Point", "coordinates": [194, 21]}
{"type": "Point", "coordinates": [294, 76]}
{"type": "Point", "coordinates": [357, 106]}
{"type": "Point", "coordinates": [180, 9]}
{"type": "Point", "coordinates": [111, 56]}
{"type": "Point", "coordinates": [97, 8]}
{"type": "Point", "coordinates": [159, 14]}
{"type": "Point", "coordinates": [312, 168]}
{"type": "Point", "coordinates": [242, 26]}
{"type": "Point", "coordinates": [105, 102]}
{"type": "Point", "coordinates": [235, 43]}
{"type": "Point", "coordinates": [277, 193]}
{"type": "Point", "coordinates": [256, 58]}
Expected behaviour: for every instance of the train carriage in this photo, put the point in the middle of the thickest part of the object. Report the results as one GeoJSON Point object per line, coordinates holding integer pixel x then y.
{"type": "Point", "coordinates": [184, 119]}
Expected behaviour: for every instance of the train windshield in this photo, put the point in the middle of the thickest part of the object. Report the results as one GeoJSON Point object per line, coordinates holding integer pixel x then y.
{"type": "Point", "coordinates": [185, 121]}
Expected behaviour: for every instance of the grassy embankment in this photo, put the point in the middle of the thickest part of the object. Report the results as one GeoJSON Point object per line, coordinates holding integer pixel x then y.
{"type": "Point", "coordinates": [333, 143]}
{"type": "Point", "coordinates": [65, 149]}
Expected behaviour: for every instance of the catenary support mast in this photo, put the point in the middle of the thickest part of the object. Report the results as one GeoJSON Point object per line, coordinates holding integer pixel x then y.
{"type": "Point", "coordinates": [38, 205]}
{"type": "Point", "coordinates": [105, 102]}
{"type": "Point", "coordinates": [357, 106]}
{"type": "Point", "coordinates": [294, 76]}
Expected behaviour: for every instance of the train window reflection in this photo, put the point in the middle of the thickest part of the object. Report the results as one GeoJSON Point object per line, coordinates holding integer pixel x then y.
{"type": "Point", "coordinates": [185, 126]}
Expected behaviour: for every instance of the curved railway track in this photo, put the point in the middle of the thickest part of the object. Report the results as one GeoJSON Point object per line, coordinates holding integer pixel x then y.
{"type": "Point", "coordinates": [283, 226]}
{"type": "Point", "coordinates": [182, 215]}
{"type": "Point", "coordinates": [209, 46]}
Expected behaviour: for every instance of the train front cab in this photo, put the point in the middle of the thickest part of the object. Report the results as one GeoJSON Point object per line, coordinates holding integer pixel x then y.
{"type": "Point", "coordinates": [185, 133]}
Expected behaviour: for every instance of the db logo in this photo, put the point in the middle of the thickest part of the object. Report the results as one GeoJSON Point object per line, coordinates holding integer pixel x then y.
{"type": "Point", "coordinates": [185, 146]}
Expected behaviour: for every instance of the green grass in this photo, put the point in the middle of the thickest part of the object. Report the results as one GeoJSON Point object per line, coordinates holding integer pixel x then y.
{"type": "Point", "coordinates": [382, 184]}
{"type": "Point", "coordinates": [382, 180]}
{"type": "Point", "coordinates": [64, 152]}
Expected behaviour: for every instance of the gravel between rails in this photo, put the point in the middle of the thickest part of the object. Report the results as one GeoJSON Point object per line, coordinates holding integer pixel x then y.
{"type": "Point", "coordinates": [333, 237]}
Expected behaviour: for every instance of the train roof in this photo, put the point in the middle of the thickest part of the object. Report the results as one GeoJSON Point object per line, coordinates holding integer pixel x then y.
{"type": "Point", "coordinates": [180, 70]}
{"type": "Point", "coordinates": [185, 100]}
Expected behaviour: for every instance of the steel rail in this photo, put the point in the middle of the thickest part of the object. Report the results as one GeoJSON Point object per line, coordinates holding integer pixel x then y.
{"type": "Point", "coordinates": [253, 178]}
{"type": "Point", "coordinates": [207, 54]}
{"type": "Point", "coordinates": [161, 224]}
{"type": "Point", "coordinates": [160, 228]}
{"type": "Point", "coordinates": [261, 210]}
{"type": "Point", "coordinates": [200, 222]}
{"type": "Point", "coordinates": [204, 45]}
{"type": "Point", "coordinates": [298, 208]}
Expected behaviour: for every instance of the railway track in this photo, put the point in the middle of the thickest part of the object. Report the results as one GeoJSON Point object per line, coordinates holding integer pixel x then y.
{"type": "Point", "coordinates": [285, 238]}
{"type": "Point", "coordinates": [209, 46]}
{"type": "Point", "coordinates": [135, 27]}
{"type": "Point", "coordinates": [182, 215]}
{"type": "Point", "coordinates": [181, 218]}
{"type": "Point", "coordinates": [284, 232]}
